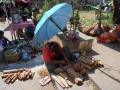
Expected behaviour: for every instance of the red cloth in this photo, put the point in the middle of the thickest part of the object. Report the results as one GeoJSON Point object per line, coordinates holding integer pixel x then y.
{"type": "Point", "coordinates": [48, 54]}
{"type": "Point", "coordinates": [100, 39]}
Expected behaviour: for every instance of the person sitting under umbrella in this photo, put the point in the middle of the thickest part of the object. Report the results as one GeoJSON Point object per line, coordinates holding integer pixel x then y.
{"type": "Point", "coordinates": [32, 43]}
{"type": "Point", "coordinates": [54, 55]}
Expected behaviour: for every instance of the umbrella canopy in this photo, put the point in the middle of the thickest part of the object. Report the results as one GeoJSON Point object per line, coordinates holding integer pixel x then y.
{"type": "Point", "coordinates": [53, 21]}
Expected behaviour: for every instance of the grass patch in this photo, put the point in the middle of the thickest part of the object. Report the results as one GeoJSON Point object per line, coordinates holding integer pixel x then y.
{"type": "Point", "coordinates": [88, 18]}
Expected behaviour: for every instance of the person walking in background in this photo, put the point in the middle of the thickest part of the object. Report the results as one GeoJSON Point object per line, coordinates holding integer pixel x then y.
{"type": "Point", "coordinates": [1, 12]}
{"type": "Point", "coordinates": [8, 9]}
{"type": "Point", "coordinates": [4, 13]}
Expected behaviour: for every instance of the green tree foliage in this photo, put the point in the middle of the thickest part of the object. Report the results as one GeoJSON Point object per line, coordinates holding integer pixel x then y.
{"type": "Point", "coordinates": [47, 5]}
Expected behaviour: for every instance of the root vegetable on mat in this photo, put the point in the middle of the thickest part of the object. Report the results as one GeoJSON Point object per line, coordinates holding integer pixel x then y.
{"type": "Point", "coordinates": [12, 75]}
{"type": "Point", "coordinates": [63, 75]}
{"type": "Point", "coordinates": [66, 75]}
{"type": "Point", "coordinates": [85, 58]}
{"type": "Point", "coordinates": [85, 61]}
{"type": "Point", "coordinates": [8, 77]}
{"type": "Point", "coordinates": [88, 67]}
{"type": "Point", "coordinates": [13, 80]}
{"type": "Point", "coordinates": [21, 69]}
{"type": "Point", "coordinates": [58, 81]}
{"type": "Point", "coordinates": [69, 83]}
{"type": "Point", "coordinates": [8, 81]}
{"type": "Point", "coordinates": [10, 71]}
{"type": "Point", "coordinates": [74, 76]}
{"type": "Point", "coordinates": [58, 70]}
{"type": "Point", "coordinates": [80, 75]}
{"type": "Point", "coordinates": [82, 66]}
{"type": "Point", "coordinates": [33, 73]}
{"type": "Point", "coordinates": [28, 77]}
{"type": "Point", "coordinates": [67, 79]}
{"type": "Point", "coordinates": [77, 66]}
{"type": "Point", "coordinates": [25, 69]}
{"type": "Point", "coordinates": [26, 74]}
{"type": "Point", "coordinates": [100, 64]}
{"type": "Point", "coordinates": [19, 76]}
{"type": "Point", "coordinates": [22, 75]}
{"type": "Point", "coordinates": [4, 75]}
{"type": "Point", "coordinates": [62, 80]}
{"type": "Point", "coordinates": [83, 71]}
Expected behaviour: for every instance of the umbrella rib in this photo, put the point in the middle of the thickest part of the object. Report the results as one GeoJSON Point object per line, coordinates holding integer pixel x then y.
{"type": "Point", "coordinates": [46, 28]}
{"type": "Point", "coordinates": [60, 15]}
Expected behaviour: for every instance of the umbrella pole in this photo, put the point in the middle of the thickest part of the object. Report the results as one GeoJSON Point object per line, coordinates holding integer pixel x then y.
{"type": "Point", "coordinates": [57, 25]}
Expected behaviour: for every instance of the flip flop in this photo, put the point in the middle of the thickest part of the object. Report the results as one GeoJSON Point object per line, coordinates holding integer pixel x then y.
{"type": "Point", "coordinates": [47, 79]}
{"type": "Point", "coordinates": [44, 81]}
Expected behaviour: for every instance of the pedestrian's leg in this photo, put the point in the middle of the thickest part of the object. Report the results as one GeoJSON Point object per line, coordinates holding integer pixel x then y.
{"type": "Point", "coordinates": [4, 19]}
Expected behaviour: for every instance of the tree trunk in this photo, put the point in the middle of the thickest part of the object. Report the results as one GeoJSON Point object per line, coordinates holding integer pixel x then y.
{"type": "Point", "coordinates": [116, 15]}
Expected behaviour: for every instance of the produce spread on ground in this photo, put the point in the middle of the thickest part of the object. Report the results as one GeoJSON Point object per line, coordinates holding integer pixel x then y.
{"type": "Point", "coordinates": [64, 75]}
{"type": "Point", "coordinates": [10, 76]}
{"type": "Point", "coordinates": [75, 72]}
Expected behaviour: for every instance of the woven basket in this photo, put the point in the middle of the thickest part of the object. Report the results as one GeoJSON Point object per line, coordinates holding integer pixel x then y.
{"type": "Point", "coordinates": [14, 57]}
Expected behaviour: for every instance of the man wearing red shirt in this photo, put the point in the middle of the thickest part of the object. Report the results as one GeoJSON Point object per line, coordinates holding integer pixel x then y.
{"type": "Point", "coordinates": [54, 55]}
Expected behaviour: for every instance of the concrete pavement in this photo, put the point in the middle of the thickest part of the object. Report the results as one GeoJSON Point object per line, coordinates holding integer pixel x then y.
{"type": "Point", "coordinates": [19, 85]}
{"type": "Point", "coordinates": [108, 54]}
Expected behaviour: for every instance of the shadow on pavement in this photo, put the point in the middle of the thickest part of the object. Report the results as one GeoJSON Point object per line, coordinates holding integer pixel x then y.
{"type": "Point", "coordinates": [7, 29]}
{"type": "Point", "coordinates": [92, 53]}
{"type": "Point", "coordinates": [112, 77]}
{"type": "Point", "coordinates": [114, 45]}
{"type": "Point", "coordinates": [3, 65]}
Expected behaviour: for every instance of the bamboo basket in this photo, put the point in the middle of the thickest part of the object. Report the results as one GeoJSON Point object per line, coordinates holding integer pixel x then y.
{"type": "Point", "coordinates": [13, 58]}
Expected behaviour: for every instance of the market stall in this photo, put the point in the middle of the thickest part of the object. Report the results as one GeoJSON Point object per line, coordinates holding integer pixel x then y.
{"type": "Point", "coordinates": [66, 75]}
{"type": "Point", "coordinates": [22, 24]}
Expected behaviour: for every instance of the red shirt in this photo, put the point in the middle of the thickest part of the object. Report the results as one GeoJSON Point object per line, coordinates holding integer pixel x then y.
{"type": "Point", "coordinates": [48, 54]}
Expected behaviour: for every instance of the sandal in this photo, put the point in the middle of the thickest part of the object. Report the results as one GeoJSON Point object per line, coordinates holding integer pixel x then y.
{"type": "Point", "coordinates": [44, 81]}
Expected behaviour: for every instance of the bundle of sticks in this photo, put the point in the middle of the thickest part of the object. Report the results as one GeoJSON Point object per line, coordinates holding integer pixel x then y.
{"type": "Point", "coordinates": [10, 76]}
{"type": "Point", "coordinates": [89, 62]}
